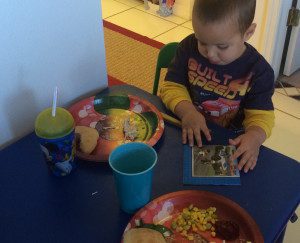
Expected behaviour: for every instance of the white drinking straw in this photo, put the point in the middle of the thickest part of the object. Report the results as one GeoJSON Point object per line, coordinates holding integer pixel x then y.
{"type": "Point", "coordinates": [54, 102]}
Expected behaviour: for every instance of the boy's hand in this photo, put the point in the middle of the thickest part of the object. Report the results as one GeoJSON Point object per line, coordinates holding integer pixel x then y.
{"type": "Point", "coordinates": [248, 145]}
{"type": "Point", "coordinates": [193, 123]}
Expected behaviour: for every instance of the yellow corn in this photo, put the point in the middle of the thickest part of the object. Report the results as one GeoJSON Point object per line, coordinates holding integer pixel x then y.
{"type": "Point", "coordinates": [190, 237]}
{"type": "Point", "coordinates": [193, 219]}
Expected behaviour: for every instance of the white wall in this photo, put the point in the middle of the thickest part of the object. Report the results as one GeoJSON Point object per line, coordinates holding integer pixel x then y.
{"type": "Point", "coordinates": [43, 44]}
{"type": "Point", "coordinates": [275, 32]}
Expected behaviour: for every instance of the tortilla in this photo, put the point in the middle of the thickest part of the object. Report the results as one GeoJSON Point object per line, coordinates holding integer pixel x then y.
{"type": "Point", "coordinates": [88, 138]}
{"type": "Point", "coordinates": [143, 235]}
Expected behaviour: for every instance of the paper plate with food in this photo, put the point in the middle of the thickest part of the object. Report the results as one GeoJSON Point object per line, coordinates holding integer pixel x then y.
{"type": "Point", "coordinates": [192, 216]}
{"type": "Point", "coordinates": [103, 122]}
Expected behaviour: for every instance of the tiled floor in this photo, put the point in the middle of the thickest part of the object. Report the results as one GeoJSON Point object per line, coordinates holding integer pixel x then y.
{"type": "Point", "coordinates": [130, 14]}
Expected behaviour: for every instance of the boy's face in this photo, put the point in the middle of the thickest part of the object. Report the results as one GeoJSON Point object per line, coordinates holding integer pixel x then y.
{"type": "Point", "coordinates": [221, 42]}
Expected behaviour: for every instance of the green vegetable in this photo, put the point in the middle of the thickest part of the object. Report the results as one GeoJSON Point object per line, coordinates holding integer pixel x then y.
{"type": "Point", "coordinates": [103, 103]}
{"type": "Point", "coordinates": [165, 231]}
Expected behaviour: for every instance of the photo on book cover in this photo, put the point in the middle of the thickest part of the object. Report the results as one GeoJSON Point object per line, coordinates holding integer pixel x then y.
{"type": "Point", "coordinates": [213, 161]}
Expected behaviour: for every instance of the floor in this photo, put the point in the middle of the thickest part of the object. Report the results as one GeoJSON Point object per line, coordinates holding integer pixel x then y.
{"type": "Point", "coordinates": [130, 14]}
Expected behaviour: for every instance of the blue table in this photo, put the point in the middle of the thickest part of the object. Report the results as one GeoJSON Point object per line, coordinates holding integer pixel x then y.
{"type": "Point", "coordinates": [35, 206]}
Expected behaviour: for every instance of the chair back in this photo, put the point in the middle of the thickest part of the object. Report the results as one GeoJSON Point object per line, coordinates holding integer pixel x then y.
{"type": "Point", "coordinates": [165, 56]}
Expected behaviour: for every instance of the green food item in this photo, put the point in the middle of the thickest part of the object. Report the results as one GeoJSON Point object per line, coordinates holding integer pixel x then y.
{"type": "Point", "coordinates": [143, 127]}
{"type": "Point", "coordinates": [103, 103]}
{"type": "Point", "coordinates": [158, 227]}
{"type": "Point", "coordinates": [165, 231]}
{"type": "Point", "coordinates": [152, 120]}
{"type": "Point", "coordinates": [174, 225]}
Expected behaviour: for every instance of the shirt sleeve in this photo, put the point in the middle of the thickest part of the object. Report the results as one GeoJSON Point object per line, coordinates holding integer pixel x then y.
{"type": "Point", "coordinates": [258, 105]}
{"type": "Point", "coordinates": [172, 93]}
{"type": "Point", "coordinates": [261, 118]}
{"type": "Point", "coordinates": [175, 87]}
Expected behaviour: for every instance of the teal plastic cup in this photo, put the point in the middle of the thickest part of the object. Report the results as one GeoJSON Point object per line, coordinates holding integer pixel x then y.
{"type": "Point", "coordinates": [132, 165]}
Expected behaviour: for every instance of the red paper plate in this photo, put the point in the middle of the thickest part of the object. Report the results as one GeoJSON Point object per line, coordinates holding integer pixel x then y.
{"type": "Point", "coordinates": [108, 114]}
{"type": "Point", "coordinates": [164, 209]}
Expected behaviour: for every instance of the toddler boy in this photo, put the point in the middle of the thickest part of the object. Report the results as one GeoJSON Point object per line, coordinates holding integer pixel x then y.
{"type": "Point", "coordinates": [217, 76]}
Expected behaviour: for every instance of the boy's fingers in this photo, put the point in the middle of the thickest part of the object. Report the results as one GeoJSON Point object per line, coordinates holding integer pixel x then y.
{"type": "Point", "coordinates": [190, 134]}
{"type": "Point", "coordinates": [237, 153]}
{"type": "Point", "coordinates": [197, 135]}
{"type": "Point", "coordinates": [243, 162]}
{"type": "Point", "coordinates": [248, 164]}
{"type": "Point", "coordinates": [253, 163]}
{"type": "Point", "coordinates": [184, 134]}
{"type": "Point", "coordinates": [235, 141]}
{"type": "Point", "coordinates": [206, 133]}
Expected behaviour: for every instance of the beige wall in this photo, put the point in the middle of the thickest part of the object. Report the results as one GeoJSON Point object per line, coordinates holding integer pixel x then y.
{"type": "Point", "coordinates": [183, 8]}
{"type": "Point", "coordinates": [257, 40]}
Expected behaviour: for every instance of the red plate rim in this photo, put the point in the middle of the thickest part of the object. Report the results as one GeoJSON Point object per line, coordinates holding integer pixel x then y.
{"type": "Point", "coordinates": [258, 237]}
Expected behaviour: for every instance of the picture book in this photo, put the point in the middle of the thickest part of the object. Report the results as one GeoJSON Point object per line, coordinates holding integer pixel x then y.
{"type": "Point", "coordinates": [210, 165]}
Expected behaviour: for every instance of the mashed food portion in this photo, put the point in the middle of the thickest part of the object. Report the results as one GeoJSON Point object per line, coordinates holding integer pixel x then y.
{"type": "Point", "coordinates": [123, 125]}
{"type": "Point", "coordinates": [145, 235]}
{"type": "Point", "coordinates": [88, 138]}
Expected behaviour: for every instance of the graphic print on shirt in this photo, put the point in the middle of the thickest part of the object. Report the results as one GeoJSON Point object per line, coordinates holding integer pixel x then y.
{"type": "Point", "coordinates": [217, 96]}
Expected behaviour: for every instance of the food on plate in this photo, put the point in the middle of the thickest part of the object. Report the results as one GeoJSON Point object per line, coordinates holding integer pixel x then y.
{"type": "Point", "coordinates": [165, 231]}
{"type": "Point", "coordinates": [195, 220]}
{"type": "Point", "coordinates": [88, 138]}
{"type": "Point", "coordinates": [145, 235]}
{"type": "Point", "coordinates": [118, 127]}
{"type": "Point", "coordinates": [130, 129]}
{"type": "Point", "coordinates": [111, 128]}
{"type": "Point", "coordinates": [227, 230]}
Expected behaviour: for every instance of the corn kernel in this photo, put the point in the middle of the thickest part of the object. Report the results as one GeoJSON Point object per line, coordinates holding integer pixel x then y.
{"type": "Point", "coordinates": [185, 210]}
{"type": "Point", "coordinates": [190, 237]}
{"type": "Point", "coordinates": [194, 219]}
{"type": "Point", "coordinates": [208, 226]}
{"type": "Point", "coordinates": [186, 227]}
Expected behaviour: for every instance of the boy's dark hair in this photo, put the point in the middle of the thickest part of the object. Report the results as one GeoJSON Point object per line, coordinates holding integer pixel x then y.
{"type": "Point", "coordinates": [240, 11]}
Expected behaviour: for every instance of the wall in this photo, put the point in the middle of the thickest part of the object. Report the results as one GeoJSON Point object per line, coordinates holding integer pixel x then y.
{"type": "Point", "coordinates": [183, 8]}
{"type": "Point", "coordinates": [43, 44]}
{"type": "Point", "coordinates": [260, 20]}
{"type": "Point", "coordinates": [275, 32]}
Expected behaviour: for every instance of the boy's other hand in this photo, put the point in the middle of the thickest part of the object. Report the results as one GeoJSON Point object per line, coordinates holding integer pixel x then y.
{"type": "Point", "coordinates": [192, 122]}
{"type": "Point", "coordinates": [248, 145]}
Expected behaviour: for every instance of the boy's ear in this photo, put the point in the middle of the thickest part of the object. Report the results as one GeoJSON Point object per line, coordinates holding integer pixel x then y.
{"type": "Point", "coordinates": [249, 32]}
